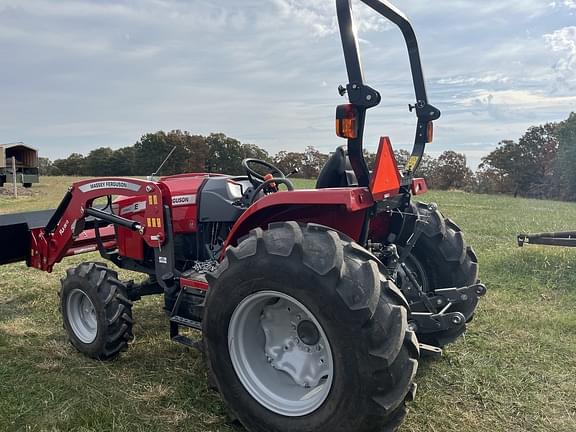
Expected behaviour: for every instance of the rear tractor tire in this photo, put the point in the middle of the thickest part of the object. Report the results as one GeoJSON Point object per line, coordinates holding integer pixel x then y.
{"type": "Point", "coordinates": [441, 259]}
{"type": "Point", "coordinates": [303, 333]}
{"type": "Point", "coordinates": [96, 311]}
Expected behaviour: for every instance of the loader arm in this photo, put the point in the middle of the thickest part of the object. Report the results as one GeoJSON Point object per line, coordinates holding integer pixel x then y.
{"type": "Point", "coordinates": [64, 233]}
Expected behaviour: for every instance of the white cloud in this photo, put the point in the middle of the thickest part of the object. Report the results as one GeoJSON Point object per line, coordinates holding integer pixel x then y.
{"type": "Point", "coordinates": [490, 78]}
{"type": "Point", "coordinates": [564, 41]}
{"type": "Point", "coordinates": [523, 99]}
{"type": "Point", "coordinates": [570, 4]}
{"type": "Point", "coordinates": [320, 16]}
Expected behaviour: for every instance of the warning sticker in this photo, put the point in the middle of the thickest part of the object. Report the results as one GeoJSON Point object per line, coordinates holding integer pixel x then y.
{"type": "Point", "coordinates": [412, 162]}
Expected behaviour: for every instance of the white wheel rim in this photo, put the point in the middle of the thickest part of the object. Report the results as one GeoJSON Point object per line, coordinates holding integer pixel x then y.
{"type": "Point", "coordinates": [82, 316]}
{"type": "Point", "coordinates": [280, 353]}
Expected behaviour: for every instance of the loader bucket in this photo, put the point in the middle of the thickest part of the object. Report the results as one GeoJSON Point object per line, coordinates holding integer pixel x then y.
{"type": "Point", "coordinates": [15, 234]}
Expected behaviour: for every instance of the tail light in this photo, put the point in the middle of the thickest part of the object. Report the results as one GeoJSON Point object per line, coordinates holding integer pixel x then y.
{"type": "Point", "coordinates": [347, 121]}
{"type": "Point", "coordinates": [430, 132]}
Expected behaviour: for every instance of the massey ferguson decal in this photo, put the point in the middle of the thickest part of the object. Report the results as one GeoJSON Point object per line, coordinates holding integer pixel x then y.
{"type": "Point", "coordinates": [110, 184]}
{"type": "Point", "coordinates": [182, 200]}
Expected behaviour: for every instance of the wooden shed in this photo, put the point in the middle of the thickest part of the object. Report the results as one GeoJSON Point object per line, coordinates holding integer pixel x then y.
{"type": "Point", "coordinates": [26, 163]}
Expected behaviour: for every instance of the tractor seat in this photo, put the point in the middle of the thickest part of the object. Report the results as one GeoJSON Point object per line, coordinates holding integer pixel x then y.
{"type": "Point", "coordinates": [337, 171]}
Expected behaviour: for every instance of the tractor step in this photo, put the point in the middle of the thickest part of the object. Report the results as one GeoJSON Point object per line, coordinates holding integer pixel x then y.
{"type": "Point", "coordinates": [185, 322]}
{"type": "Point", "coordinates": [186, 341]}
{"type": "Point", "coordinates": [175, 323]}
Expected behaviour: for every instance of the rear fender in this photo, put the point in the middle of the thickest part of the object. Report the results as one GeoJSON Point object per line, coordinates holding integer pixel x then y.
{"type": "Point", "coordinates": [343, 209]}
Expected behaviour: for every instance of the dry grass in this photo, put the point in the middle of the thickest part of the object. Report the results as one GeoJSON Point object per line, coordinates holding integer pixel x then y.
{"type": "Point", "coordinates": [514, 371]}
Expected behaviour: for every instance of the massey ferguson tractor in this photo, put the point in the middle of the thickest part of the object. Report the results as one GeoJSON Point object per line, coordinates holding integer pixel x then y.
{"type": "Point", "coordinates": [314, 305]}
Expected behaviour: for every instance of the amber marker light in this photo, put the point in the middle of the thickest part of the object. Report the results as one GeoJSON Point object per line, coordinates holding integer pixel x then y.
{"type": "Point", "coordinates": [430, 132]}
{"type": "Point", "coordinates": [347, 121]}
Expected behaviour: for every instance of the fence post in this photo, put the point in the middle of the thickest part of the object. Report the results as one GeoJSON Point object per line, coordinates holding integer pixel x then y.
{"type": "Point", "coordinates": [14, 177]}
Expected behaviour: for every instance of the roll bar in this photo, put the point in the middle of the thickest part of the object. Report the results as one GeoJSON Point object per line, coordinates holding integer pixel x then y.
{"type": "Point", "coordinates": [365, 97]}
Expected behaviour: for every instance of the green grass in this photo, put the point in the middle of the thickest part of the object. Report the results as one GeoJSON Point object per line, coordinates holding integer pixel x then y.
{"type": "Point", "coordinates": [515, 370]}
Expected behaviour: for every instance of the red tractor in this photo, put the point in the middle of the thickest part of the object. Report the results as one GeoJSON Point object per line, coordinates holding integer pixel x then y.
{"type": "Point", "coordinates": [314, 305]}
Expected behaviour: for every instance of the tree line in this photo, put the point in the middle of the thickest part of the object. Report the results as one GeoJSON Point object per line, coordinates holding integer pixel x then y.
{"type": "Point", "coordinates": [540, 164]}
{"type": "Point", "coordinates": [215, 153]}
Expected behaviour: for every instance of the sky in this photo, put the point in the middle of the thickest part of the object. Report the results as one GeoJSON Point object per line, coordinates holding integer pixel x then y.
{"type": "Point", "coordinates": [80, 74]}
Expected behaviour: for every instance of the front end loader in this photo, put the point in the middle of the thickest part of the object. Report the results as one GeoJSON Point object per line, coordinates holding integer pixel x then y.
{"type": "Point", "coordinates": [314, 305]}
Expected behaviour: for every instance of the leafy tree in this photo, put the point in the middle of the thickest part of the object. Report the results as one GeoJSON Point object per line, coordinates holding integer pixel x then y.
{"type": "Point", "coordinates": [73, 165]}
{"type": "Point", "coordinates": [46, 167]}
{"type": "Point", "coordinates": [527, 166]}
{"type": "Point", "coordinates": [255, 152]}
{"type": "Point", "coordinates": [123, 161]}
{"type": "Point", "coordinates": [99, 162]}
{"type": "Point", "coordinates": [190, 153]}
{"type": "Point", "coordinates": [402, 157]}
{"type": "Point", "coordinates": [566, 162]}
{"type": "Point", "coordinates": [312, 162]}
{"type": "Point", "coordinates": [225, 154]}
{"type": "Point", "coordinates": [370, 159]}
{"type": "Point", "coordinates": [289, 162]}
{"type": "Point", "coordinates": [450, 172]}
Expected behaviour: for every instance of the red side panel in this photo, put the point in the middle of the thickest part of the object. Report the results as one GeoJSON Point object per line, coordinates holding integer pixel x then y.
{"type": "Point", "coordinates": [184, 198]}
{"type": "Point", "coordinates": [343, 209]}
{"type": "Point", "coordinates": [386, 179]}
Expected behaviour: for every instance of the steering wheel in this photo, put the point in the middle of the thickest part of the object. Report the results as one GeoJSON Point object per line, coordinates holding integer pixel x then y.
{"type": "Point", "coordinates": [264, 183]}
{"type": "Point", "coordinates": [257, 179]}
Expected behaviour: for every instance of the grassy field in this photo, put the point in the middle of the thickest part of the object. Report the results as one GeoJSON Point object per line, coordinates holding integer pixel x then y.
{"type": "Point", "coordinates": [515, 370]}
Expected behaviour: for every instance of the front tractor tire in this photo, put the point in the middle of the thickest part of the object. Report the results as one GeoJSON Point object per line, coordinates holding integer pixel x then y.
{"type": "Point", "coordinates": [303, 333]}
{"type": "Point", "coordinates": [96, 311]}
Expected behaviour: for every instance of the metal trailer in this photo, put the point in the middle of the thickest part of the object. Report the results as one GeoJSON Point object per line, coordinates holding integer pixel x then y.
{"type": "Point", "coordinates": [27, 171]}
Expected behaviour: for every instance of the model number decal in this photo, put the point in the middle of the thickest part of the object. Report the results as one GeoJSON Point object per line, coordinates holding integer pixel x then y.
{"type": "Point", "coordinates": [133, 208]}
{"type": "Point", "coordinates": [182, 200]}
{"type": "Point", "coordinates": [110, 184]}
{"type": "Point", "coordinates": [63, 229]}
